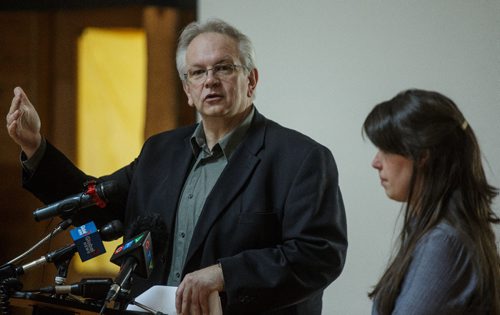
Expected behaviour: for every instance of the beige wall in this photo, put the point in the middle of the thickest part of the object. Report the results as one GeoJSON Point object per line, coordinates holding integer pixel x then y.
{"type": "Point", "coordinates": [325, 63]}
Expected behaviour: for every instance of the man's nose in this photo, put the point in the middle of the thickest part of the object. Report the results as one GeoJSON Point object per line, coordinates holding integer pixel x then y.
{"type": "Point", "coordinates": [211, 78]}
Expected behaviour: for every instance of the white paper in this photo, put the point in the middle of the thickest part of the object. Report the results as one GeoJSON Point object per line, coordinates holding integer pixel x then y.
{"type": "Point", "coordinates": [162, 298]}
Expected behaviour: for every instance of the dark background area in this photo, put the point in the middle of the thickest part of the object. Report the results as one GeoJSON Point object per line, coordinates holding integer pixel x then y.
{"type": "Point", "coordinates": [38, 52]}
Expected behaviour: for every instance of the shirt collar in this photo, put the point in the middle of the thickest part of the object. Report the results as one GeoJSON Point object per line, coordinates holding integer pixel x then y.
{"type": "Point", "coordinates": [227, 144]}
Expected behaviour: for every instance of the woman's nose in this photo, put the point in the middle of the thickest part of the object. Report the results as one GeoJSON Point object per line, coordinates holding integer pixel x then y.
{"type": "Point", "coordinates": [376, 161]}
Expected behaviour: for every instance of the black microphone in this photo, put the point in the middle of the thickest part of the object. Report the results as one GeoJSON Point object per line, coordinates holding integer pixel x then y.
{"type": "Point", "coordinates": [109, 232]}
{"type": "Point", "coordinates": [136, 254]}
{"type": "Point", "coordinates": [93, 288]}
{"type": "Point", "coordinates": [94, 194]}
{"type": "Point", "coordinates": [152, 223]}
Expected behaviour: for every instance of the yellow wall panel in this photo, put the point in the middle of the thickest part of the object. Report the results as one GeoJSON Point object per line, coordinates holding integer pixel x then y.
{"type": "Point", "coordinates": [111, 109]}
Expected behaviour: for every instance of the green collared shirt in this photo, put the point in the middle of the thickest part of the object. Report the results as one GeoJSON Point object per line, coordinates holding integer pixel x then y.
{"type": "Point", "coordinates": [204, 174]}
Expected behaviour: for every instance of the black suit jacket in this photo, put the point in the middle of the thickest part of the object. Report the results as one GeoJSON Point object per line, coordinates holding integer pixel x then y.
{"type": "Point", "coordinates": [275, 219]}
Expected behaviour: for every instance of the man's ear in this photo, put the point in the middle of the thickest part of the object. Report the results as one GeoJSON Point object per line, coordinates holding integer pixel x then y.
{"type": "Point", "coordinates": [186, 89]}
{"type": "Point", "coordinates": [253, 78]}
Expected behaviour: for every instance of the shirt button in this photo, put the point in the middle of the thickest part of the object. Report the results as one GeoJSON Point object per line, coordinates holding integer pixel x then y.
{"type": "Point", "coordinates": [178, 275]}
{"type": "Point", "coordinates": [190, 196]}
{"type": "Point", "coordinates": [183, 234]}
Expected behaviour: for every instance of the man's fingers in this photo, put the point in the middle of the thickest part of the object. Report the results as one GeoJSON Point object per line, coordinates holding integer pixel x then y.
{"type": "Point", "coordinates": [203, 301]}
{"type": "Point", "coordinates": [16, 108]}
{"type": "Point", "coordinates": [15, 104]}
{"type": "Point", "coordinates": [195, 302]}
{"type": "Point", "coordinates": [20, 99]}
{"type": "Point", "coordinates": [194, 307]}
{"type": "Point", "coordinates": [19, 93]}
{"type": "Point", "coordinates": [178, 299]}
{"type": "Point", "coordinates": [13, 124]}
{"type": "Point", "coordinates": [12, 129]}
{"type": "Point", "coordinates": [186, 300]}
{"type": "Point", "coordinates": [11, 117]}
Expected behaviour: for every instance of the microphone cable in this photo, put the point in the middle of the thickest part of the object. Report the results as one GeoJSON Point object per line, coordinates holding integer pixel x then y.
{"type": "Point", "coordinates": [6, 287]}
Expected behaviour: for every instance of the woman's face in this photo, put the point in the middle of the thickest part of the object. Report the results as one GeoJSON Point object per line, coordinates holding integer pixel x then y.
{"type": "Point", "coordinates": [395, 173]}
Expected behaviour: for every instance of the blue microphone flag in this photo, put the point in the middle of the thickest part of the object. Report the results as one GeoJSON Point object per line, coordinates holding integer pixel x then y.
{"type": "Point", "coordinates": [88, 241]}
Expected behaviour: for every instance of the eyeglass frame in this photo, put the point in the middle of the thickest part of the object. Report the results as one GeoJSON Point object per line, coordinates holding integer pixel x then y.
{"type": "Point", "coordinates": [214, 73]}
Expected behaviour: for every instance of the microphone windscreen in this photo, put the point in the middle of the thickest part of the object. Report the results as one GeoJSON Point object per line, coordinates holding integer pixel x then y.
{"type": "Point", "coordinates": [154, 224]}
{"type": "Point", "coordinates": [111, 231]}
{"type": "Point", "coordinates": [107, 190]}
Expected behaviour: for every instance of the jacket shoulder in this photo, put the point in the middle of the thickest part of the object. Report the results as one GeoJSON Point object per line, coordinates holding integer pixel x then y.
{"type": "Point", "coordinates": [177, 135]}
{"type": "Point", "coordinates": [287, 138]}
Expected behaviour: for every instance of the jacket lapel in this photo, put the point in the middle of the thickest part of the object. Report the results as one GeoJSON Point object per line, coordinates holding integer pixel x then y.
{"type": "Point", "coordinates": [240, 167]}
{"type": "Point", "coordinates": [173, 181]}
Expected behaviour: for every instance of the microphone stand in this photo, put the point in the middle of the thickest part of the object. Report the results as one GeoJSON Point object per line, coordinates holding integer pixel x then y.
{"type": "Point", "coordinates": [123, 296]}
{"type": "Point", "coordinates": [62, 270]}
{"type": "Point", "coordinates": [58, 229]}
{"type": "Point", "coordinates": [9, 281]}
{"type": "Point", "coordinates": [119, 291]}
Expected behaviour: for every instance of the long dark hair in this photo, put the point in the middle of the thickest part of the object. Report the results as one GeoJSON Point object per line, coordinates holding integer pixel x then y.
{"type": "Point", "coordinates": [448, 183]}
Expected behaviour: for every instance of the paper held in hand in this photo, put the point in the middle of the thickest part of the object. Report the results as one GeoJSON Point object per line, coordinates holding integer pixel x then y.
{"type": "Point", "coordinates": [162, 298]}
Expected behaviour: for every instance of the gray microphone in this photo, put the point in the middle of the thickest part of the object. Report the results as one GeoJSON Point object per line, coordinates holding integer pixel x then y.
{"type": "Point", "coordinates": [108, 232]}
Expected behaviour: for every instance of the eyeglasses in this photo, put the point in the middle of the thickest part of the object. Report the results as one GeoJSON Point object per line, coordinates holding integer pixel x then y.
{"type": "Point", "coordinates": [221, 71]}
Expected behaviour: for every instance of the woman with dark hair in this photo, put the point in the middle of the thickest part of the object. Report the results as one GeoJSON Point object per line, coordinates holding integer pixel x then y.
{"type": "Point", "coordinates": [428, 157]}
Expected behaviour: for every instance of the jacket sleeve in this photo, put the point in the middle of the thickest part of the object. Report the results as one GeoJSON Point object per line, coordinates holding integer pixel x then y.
{"type": "Point", "coordinates": [440, 279]}
{"type": "Point", "coordinates": [56, 177]}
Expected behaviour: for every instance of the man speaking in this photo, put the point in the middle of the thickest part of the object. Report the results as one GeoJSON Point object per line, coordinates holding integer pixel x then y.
{"type": "Point", "coordinates": [253, 209]}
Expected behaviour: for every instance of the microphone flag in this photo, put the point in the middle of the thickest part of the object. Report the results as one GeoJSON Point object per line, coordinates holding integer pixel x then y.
{"type": "Point", "coordinates": [140, 248]}
{"type": "Point", "coordinates": [88, 241]}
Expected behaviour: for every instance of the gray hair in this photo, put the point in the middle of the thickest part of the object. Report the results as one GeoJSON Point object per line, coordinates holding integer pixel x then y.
{"type": "Point", "coordinates": [245, 46]}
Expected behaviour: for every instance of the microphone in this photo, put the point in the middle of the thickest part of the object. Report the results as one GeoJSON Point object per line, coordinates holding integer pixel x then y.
{"type": "Point", "coordinates": [93, 288]}
{"type": "Point", "coordinates": [154, 224]}
{"type": "Point", "coordinates": [109, 232]}
{"type": "Point", "coordinates": [136, 254]}
{"type": "Point", "coordinates": [94, 194]}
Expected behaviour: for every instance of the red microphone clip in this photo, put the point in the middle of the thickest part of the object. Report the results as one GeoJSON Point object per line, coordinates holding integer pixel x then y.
{"type": "Point", "coordinates": [95, 196]}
